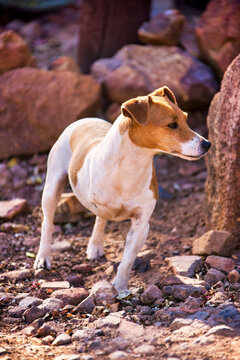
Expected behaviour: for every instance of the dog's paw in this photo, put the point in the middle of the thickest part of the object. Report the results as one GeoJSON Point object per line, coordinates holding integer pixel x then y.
{"type": "Point", "coordinates": [42, 262]}
{"type": "Point", "coordinates": [94, 251]}
{"type": "Point", "coordinates": [121, 288]}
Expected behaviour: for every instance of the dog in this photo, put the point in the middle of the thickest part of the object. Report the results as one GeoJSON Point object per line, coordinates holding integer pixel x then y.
{"type": "Point", "coordinates": [110, 169]}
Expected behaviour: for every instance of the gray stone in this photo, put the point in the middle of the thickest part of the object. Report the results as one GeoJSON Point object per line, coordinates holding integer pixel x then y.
{"type": "Point", "coordinates": [16, 311]}
{"type": "Point", "coordinates": [145, 349]}
{"type": "Point", "coordinates": [46, 330]}
{"type": "Point", "coordinates": [118, 355]}
{"type": "Point", "coordinates": [200, 315]}
{"type": "Point", "coordinates": [51, 304]}
{"type": "Point", "coordinates": [182, 292]}
{"type": "Point", "coordinates": [108, 321]}
{"type": "Point", "coordinates": [83, 335]}
{"type": "Point", "coordinates": [185, 265]}
{"type": "Point", "coordinates": [62, 339]}
{"type": "Point", "coordinates": [221, 330]}
{"type": "Point", "coordinates": [30, 301]}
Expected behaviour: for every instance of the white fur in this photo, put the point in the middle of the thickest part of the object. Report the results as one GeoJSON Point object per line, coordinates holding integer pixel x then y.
{"type": "Point", "coordinates": [193, 147]}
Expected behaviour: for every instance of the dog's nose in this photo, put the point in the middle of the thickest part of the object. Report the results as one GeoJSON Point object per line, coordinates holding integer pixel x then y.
{"type": "Point", "coordinates": [205, 145]}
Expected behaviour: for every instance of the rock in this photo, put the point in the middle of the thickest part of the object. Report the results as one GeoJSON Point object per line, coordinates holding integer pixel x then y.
{"type": "Point", "coordinates": [46, 330]}
{"type": "Point", "coordinates": [144, 349]}
{"type": "Point", "coordinates": [229, 315]}
{"type": "Point", "coordinates": [49, 305]}
{"type": "Point", "coordinates": [220, 263]}
{"type": "Point", "coordinates": [65, 63]}
{"type": "Point", "coordinates": [188, 39]}
{"type": "Point", "coordinates": [151, 294]}
{"type": "Point", "coordinates": [83, 268]}
{"type": "Point", "coordinates": [86, 306]}
{"type": "Point", "coordinates": [118, 355]}
{"type": "Point", "coordinates": [62, 339]}
{"type": "Point", "coordinates": [75, 280]}
{"type": "Point", "coordinates": [55, 285]}
{"type": "Point", "coordinates": [3, 351]}
{"type": "Point", "coordinates": [103, 292]}
{"type": "Point", "coordinates": [184, 265]}
{"type": "Point", "coordinates": [47, 340]}
{"type": "Point", "coordinates": [233, 276]}
{"type": "Point", "coordinates": [14, 228]}
{"type": "Point", "coordinates": [214, 242]}
{"type": "Point", "coordinates": [218, 33]}
{"type": "Point", "coordinates": [31, 30]}
{"type": "Point", "coordinates": [200, 315]}
{"type": "Point", "coordinates": [5, 175]}
{"type": "Point", "coordinates": [61, 246]}
{"type": "Point", "coordinates": [164, 29]}
{"type": "Point", "coordinates": [33, 313]}
{"type": "Point", "coordinates": [83, 335]}
{"type": "Point", "coordinates": [182, 292]}
{"type": "Point", "coordinates": [221, 330]}
{"type": "Point", "coordinates": [222, 188]}
{"type": "Point", "coordinates": [218, 298]}
{"type": "Point", "coordinates": [14, 52]}
{"type": "Point", "coordinates": [111, 321]}
{"type": "Point", "coordinates": [30, 301]}
{"type": "Point", "coordinates": [16, 311]}
{"type": "Point", "coordinates": [16, 275]}
{"type": "Point", "coordinates": [56, 98]}
{"type": "Point", "coordinates": [191, 305]}
{"type": "Point", "coordinates": [213, 276]}
{"type": "Point", "coordinates": [138, 70]}
{"type": "Point", "coordinates": [71, 296]}
{"type": "Point", "coordinates": [11, 320]}
{"type": "Point", "coordinates": [69, 357]}
{"type": "Point", "coordinates": [29, 331]}
{"type": "Point", "coordinates": [178, 323]}
{"type": "Point", "coordinates": [143, 261]}
{"type": "Point", "coordinates": [10, 208]}
{"type": "Point", "coordinates": [184, 280]}
{"type": "Point", "coordinates": [69, 209]}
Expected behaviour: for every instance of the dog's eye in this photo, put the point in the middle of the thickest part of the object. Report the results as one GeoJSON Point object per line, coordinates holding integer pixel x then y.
{"type": "Point", "coordinates": [173, 125]}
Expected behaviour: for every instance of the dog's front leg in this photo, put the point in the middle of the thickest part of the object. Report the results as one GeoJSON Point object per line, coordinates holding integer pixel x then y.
{"type": "Point", "coordinates": [95, 247]}
{"type": "Point", "coordinates": [136, 237]}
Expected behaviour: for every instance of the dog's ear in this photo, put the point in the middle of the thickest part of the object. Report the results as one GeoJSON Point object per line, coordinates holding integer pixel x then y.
{"type": "Point", "coordinates": [165, 91]}
{"type": "Point", "coordinates": [137, 109]}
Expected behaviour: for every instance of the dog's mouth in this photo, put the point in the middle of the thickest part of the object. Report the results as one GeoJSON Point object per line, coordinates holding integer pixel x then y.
{"type": "Point", "coordinates": [187, 157]}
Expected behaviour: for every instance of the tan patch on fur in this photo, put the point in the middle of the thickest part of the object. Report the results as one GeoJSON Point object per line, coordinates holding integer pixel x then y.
{"type": "Point", "coordinates": [124, 125]}
{"type": "Point", "coordinates": [156, 134]}
{"type": "Point", "coordinates": [83, 139]}
{"type": "Point", "coordinates": [154, 184]}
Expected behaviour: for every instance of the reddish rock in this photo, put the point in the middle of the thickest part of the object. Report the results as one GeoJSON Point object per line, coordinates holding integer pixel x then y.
{"type": "Point", "coordinates": [151, 294]}
{"type": "Point", "coordinates": [138, 70]}
{"type": "Point", "coordinates": [223, 181]}
{"type": "Point", "coordinates": [16, 311]}
{"type": "Point", "coordinates": [103, 293]}
{"type": "Point", "coordinates": [218, 33]}
{"type": "Point", "coordinates": [182, 292]}
{"type": "Point", "coordinates": [214, 242]}
{"type": "Point", "coordinates": [71, 296]}
{"type": "Point", "coordinates": [46, 102]}
{"type": "Point", "coordinates": [233, 276]}
{"type": "Point", "coordinates": [75, 280]}
{"type": "Point", "coordinates": [163, 29]}
{"type": "Point", "coordinates": [11, 208]}
{"type": "Point", "coordinates": [220, 263]}
{"type": "Point", "coordinates": [16, 275]}
{"type": "Point", "coordinates": [14, 52]}
{"type": "Point", "coordinates": [86, 306]}
{"type": "Point", "coordinates": [213, 276]}
{"type": "Point", "coordinates": [188, 39]}
{"type": "Point", "coordinates": [113, 111]}
{"type": "Point", "coordinates": [33, 313]}
{"type": "Point", "coordinates": [83, 268]}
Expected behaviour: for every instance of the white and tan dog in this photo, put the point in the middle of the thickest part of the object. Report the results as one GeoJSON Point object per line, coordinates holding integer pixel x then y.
{"type": "Point", "coordinates": [111, 171]}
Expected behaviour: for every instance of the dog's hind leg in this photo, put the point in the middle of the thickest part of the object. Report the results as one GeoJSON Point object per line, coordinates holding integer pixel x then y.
{"type": "Point", "coordinates": [95, 247]}
{"type": "Point", "coordinates": [56, 180]}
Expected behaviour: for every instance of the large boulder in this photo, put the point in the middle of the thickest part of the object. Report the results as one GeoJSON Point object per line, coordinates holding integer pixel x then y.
{"type": "Point", "coordinates": [218, 33]}
{"type": "Point", "coordinates": [36, 106]}
{"type": "Point", "coordinates": [223, 181]}
{"type": "Point", "coordinates": [138, 70]}
{"type": "Point", "coordinates": [14, 52]}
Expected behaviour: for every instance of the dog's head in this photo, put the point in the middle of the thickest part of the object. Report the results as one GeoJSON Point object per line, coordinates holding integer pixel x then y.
{"type": "Point", "coordinates": [156, 122]}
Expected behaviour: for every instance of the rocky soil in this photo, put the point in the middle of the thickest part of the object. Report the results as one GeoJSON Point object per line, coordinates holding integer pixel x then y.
{"type": "Point", "coordinates": [179, 307]}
